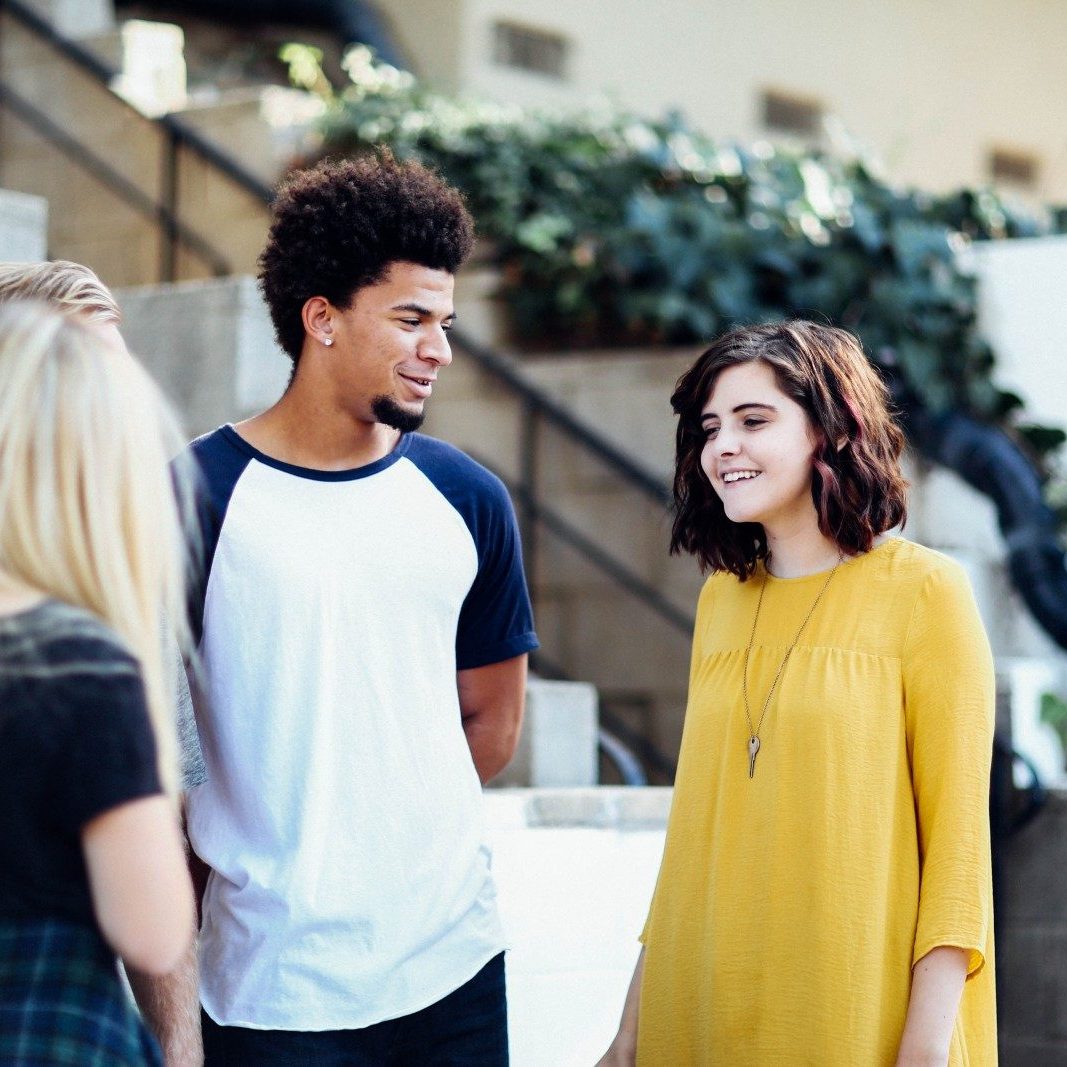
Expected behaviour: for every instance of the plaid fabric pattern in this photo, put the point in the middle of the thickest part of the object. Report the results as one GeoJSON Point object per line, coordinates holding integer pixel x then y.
{"type": "Point", "coordinates": [61, 1001]}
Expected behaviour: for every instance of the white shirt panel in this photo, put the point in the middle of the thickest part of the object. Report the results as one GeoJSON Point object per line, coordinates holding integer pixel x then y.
{"type": "Point", "coordinates": [342, 812]}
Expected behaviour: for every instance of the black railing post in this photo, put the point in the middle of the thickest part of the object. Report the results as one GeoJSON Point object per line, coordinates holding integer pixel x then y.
{"type": "Point", "coordinates": [528, 499]}
{"type": "Point", "coordinates": [168, 200]}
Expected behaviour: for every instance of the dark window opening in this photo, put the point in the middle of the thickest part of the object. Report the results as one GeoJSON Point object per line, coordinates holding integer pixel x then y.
{"type": "Point", "coordinates": [784, 113]}
{"type": "Point", "coordinates": [1012, 166]}
{"type": "Point", "coordinates": [524, 48]}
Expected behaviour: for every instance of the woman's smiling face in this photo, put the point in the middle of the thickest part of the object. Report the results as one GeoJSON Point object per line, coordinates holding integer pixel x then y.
{"type": "Point", "coordinates": [759, 449]}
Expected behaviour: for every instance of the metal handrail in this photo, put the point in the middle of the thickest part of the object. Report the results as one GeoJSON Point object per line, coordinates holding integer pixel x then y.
{"type": "Point", "coordinates": [618, 572]}
{"type": "Point", "coordinates": [96, 165]}
{"type": "Point", "coordinates": [603, 561]}
{"type": "Point", "coordinates": [500, 368]}
{"type": "Point", "coordinates": [627, 764]}
{"type": "Point", "coordinates": [184, 133]}
{"type": "Point", "coordinates": [175, 133]}
{"type": "Point", "coordinates": [645, 749]}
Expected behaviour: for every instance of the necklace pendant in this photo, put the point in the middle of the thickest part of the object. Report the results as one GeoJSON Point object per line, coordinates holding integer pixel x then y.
{"type": "Point", "coordinates": [753, 750]}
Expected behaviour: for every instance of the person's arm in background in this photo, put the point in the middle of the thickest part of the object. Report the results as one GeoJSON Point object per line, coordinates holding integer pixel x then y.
{"type": "Point", "coordinates": [140, 887]}
{"type": "Point", "coordinates": [491, 701]}
{"type": "Point", "coordinates": [170, 1003]}
{"type": "Point", "coordinates": [144, 903]}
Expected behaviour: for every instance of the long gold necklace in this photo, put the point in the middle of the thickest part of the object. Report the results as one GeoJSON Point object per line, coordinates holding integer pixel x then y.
{"type": "Point", "coordinates": [753, 731]}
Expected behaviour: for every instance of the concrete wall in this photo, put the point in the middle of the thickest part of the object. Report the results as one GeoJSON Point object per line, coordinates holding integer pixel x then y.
{"type": "Point", "coordinates": [211, 346]}
{"type": "Point", "coordinates": [23, 227]}
{"type": "Point", "coordinates": [1023, 314]}
{"type": "Point", "coordinates": [1031, 933]}
{"type": "Point", "coordinates": [558, 743]}
{"type": "Point", "coordinates": [930, 87]}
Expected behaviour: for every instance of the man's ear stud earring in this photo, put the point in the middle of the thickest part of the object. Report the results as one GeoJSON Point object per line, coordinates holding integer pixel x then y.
{"type": "Point", "coordinates": [327, 341]}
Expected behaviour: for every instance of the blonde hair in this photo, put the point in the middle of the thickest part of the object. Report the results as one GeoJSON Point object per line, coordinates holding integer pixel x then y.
{"type": "Point", "coordinates": [88, 513]}
{"type": "Point", "coordinates": [70, 288]}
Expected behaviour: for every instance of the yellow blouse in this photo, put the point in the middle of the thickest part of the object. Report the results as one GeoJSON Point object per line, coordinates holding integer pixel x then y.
{"type": "Point", "coordinates": [790, 907]}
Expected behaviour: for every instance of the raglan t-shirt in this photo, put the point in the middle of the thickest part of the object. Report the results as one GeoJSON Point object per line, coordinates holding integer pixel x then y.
{"type": "Point", "coordinates": [341, 816]}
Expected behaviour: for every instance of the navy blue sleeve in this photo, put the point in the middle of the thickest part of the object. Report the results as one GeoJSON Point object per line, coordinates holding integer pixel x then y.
{"type": "Point", "coordinates": [218, 460]}
{"type": "Point", "coordinates": [496, 621]}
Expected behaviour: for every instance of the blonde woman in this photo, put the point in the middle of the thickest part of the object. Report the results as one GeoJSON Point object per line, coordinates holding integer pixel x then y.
{"type": "Point", "coordinates": [71, 288]}
{"type": "Point", "coordinates": [90, 565]}
{"type": "Point", "coordinates": [74, 290]}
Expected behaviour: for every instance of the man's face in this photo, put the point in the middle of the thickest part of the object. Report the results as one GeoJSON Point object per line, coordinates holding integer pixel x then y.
{"type": "Point", "coordinates": [391, 343]}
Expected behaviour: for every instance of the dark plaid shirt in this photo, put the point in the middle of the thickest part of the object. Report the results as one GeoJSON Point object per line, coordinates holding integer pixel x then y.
{"type": "Point", "coordinates": [62, 1002]}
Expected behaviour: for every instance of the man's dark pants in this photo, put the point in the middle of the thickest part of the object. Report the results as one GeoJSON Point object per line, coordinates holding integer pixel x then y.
{"type": "Point", "coordinates": [468, 1028]}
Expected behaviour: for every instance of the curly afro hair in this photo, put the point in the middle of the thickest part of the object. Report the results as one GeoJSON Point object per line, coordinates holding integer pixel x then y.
{"type": "Point", "coordinates": [339, 225]}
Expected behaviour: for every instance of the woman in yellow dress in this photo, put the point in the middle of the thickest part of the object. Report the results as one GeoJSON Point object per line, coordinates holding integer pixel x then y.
{"type": "Point", "coordinates": [825, 896]}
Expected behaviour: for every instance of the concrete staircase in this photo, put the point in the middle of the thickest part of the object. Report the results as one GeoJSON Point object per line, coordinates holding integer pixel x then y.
{"type": "Point", "coordinates": [208, 340]}
{"type": "Point", "coordinates": [103, 127]}
{"type": "Point", "coordinates": [23, 222]}
{"type": "Point", "coordinates": [612, 607]}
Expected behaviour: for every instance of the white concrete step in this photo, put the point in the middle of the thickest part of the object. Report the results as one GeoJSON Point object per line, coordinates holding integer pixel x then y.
{"type": "Point", "coordinates": [76, 18]}
{"type": "Point", "coordinates": [150, 60]}
{"type": "Point", "coordinates": [265, 127]}
{"type": "Point", "coordinates": [23, 227]}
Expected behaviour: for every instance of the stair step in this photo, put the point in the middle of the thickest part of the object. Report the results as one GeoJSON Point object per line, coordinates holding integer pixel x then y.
{"type": "Point", "coordinates": [76, 19]}
{"type": "Point", "coordinates": [150, 60]}
{"type": "Point", "coordinates": [23, 227]}
{"type": "Point", "coordinates": [266, 127]}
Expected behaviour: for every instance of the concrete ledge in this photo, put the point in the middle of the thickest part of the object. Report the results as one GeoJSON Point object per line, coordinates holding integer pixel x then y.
{"type": "Point", "coordinates": [598, 808]}
{"type": "Point", "coordinates": [23, 227]}
{"type": "Point", "coordinates": [211, 346]}
{"type": "Point", "coordinates": [575, 869]}
{"type": "Point", "coordinates": [558, 743]}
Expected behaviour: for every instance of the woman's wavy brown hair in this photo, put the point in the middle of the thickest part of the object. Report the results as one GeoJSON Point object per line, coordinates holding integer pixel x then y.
{"type": "Point", "coordinates": [857, 489]}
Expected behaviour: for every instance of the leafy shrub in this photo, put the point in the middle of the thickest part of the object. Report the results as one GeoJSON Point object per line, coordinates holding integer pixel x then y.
{"type": "Point", "coordinates": [612, 229]}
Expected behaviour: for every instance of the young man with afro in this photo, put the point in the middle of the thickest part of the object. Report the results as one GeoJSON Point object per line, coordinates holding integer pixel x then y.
{"type": "Point", "coordinates": [363, 625]}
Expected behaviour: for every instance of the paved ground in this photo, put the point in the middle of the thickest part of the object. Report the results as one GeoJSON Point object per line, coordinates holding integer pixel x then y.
{"type": "Point", "coordinates": [573, 899]}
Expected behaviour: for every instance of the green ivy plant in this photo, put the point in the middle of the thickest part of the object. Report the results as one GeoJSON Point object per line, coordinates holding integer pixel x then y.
{"type": "Point", "coordinates": [1053, 712]}
{"type": "Point", "coordinates": [613, 229]}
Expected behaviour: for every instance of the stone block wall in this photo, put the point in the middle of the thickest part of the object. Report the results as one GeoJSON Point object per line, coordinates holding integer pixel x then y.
{"type": "Point", "coordinates": [1031, 936]}
{"type": "Point", "coordinates": [88, 220]}
{"type": "Point", "coordinates": [23, 227]}
{"type": "Point", "coordinates": [211, 346]}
